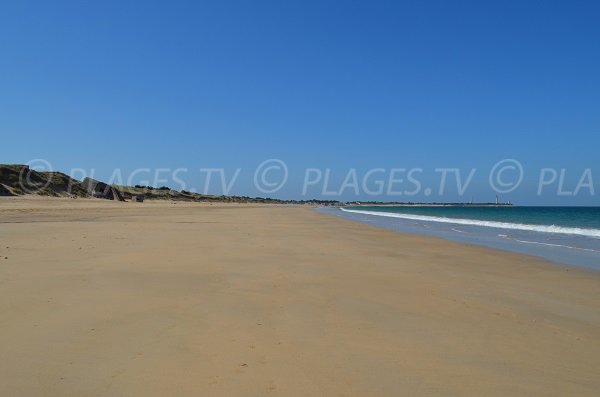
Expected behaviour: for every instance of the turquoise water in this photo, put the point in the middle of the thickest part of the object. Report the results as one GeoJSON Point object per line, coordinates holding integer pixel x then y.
{"type": "Point", "coordinates": [569, 235]}
{"type": "Point", "coordinates": [550, 217]}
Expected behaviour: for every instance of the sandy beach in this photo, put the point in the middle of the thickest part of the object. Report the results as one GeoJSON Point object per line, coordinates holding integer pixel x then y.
{"type": "Point", "coordinates": [101, 298]}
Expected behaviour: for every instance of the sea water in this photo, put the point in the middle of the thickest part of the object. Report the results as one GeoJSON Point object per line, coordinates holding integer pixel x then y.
{"type": "Point", "coordinates": [568, 235]}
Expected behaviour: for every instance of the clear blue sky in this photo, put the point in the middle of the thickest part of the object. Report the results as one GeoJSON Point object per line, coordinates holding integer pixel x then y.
{"type": "Point", "coordinates": [323, 84]}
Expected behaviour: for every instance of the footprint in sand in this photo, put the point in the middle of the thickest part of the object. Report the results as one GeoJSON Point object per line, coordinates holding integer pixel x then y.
{"type": "Point", "coordinates": [213, 380]}
{"type": "Point", "coordinates": [271, 387]}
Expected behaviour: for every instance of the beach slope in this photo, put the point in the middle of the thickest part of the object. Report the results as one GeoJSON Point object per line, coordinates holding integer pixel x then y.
{"type": "Point", "coordinates": [105, 298]}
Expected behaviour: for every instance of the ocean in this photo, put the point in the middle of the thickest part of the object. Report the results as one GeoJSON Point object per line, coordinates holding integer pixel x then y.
{"type": "Point", "coordinates": [567, 235]}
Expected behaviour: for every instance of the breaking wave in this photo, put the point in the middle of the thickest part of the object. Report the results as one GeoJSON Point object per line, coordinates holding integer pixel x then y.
{"type": "Point", "coordinates": [595, 233]}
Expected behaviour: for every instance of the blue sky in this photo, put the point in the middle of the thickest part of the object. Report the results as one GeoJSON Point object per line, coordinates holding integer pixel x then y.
{"type": "Point", "coordinates": [338, 85]}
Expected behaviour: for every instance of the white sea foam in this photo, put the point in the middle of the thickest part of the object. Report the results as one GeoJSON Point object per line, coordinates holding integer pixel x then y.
{"type": "Point", "coordinates": [595, 233]}
{"type": "Point", "coordinates": [556, 245]}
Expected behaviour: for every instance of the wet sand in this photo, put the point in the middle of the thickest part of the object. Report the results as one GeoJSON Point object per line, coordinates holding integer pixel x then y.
{"type": "Point", "coordinates": [100, 298]}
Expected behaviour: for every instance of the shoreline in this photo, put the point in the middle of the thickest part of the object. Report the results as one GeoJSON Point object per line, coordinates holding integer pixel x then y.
{"type": "Point", "coordinates": [195, 299]}
{"type": "Point", "coordinates": [430, 205]}
{"type": "Point", "coordinates": [509, 237]}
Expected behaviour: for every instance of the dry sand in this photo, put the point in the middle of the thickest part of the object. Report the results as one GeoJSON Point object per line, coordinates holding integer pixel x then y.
{"type": "Point", "coordinates": [161, 299]}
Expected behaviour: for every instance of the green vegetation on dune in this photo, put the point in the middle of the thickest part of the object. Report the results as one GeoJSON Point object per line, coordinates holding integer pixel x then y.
{"type": "Point", "coordinates": [16, 179]}
{"type": "Point", "coordinates": [19, 179]}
